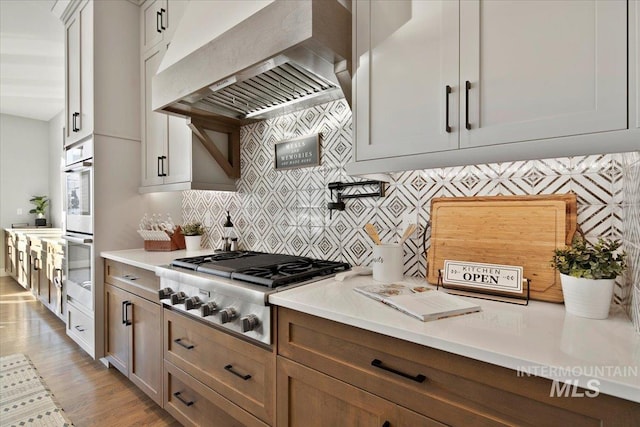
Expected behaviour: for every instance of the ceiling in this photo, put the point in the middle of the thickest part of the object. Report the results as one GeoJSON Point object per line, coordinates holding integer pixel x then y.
{"type": "Point", "coordinates": [31, 59]}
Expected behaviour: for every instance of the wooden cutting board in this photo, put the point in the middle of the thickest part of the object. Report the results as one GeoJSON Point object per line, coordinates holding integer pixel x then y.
{"type": "Point", "coordinates": [509, 230]}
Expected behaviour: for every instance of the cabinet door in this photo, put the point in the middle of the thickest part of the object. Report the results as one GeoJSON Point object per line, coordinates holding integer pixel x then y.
{"type": "Point", "coordinates": [154, 137]}
{"type": "Point", "coordinates": [154, 17]}
{"type": "Point", "coordinates": [85, 120]}
{"type": "Point", "coordinates": [145, 347]}
{"type": "Point", "coordinates": [180, 151]}
{"type": "Point", "coordinates": [72, 67]}
{"type": "Point", "coordinates": [308, 398]}
{"type": "Point", "coordinates": [117, 333]}
{"type": "Point", "coordinates": [406, 56]}
{"type": "Point", "coordinates": [541, 69]}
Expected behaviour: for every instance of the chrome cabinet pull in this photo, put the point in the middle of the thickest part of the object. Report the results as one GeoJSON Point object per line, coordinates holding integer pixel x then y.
{"type": "Point", "coordinates": [182, 344]}
{"type": "Point", "coordinates": [178, 395]}
{"type": "Point", "coordinates": [417, 378]}
{"type": "Point", "coordinates": [236, 373]}
{"type": "Point", "coordinates": [467, 88]}
{"type": "Point", "coordinates": [447, 128]}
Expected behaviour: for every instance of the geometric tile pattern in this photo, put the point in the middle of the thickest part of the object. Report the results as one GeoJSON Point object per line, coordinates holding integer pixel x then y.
{"type": "Point", "coordinates": [285, 211]}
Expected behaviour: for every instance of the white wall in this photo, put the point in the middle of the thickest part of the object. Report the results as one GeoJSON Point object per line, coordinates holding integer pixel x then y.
{"type": "Point", "coordinates": [24, 169]}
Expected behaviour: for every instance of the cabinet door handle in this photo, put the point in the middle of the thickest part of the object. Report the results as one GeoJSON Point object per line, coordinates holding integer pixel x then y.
{"type": "Point", "coordinates": [236, 373]}
{"type": "Point", "coordinates": [162, 12]}
{"type": "Point", "coordinates": [158, 168]}
{"type": "Point", "coordinates": [467, 88]}
{"type": "Point", "coordinates": [178, 395]}
{"type": "Point", "coordinates": [20, 256]}
{"type": "Point", "coordinates": [181, 344]}
{"type": "Point", "coordinates": [75, 122]}
{"type": "Point", "coordinates": [447, 128]}
{"type": "Point", "coordinates": [36, 264]}
{"type": "Point", "coordinates": [158, 19]}
{"type": "Point", "coordinates": [162, 159]}
{"type": "Point", "coordinates": [125, 313]}
{"type": "Point", "coordinates": [417, 378]}
{"type": "Point", "coordinates": [79, 328]}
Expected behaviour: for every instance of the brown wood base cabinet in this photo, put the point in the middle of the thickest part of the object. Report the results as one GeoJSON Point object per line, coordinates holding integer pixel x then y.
{"type": "Point", "coordinates": [333, 374]}
{"type": "Point", "coordinates": [133, 335]}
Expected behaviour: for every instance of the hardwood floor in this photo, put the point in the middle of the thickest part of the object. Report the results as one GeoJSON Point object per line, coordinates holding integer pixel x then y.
{"type": "Point", "coordinates": [90, 393]}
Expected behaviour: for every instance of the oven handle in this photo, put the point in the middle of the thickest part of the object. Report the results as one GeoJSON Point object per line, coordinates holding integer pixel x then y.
{"type": "Point", "coordinates": [79, 166]}
{"type": "Point", "coordinates": [80, 240]}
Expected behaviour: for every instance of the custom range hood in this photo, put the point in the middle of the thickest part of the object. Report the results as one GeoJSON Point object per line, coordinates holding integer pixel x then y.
{"type": "Point", "coordinates": [287, 56]}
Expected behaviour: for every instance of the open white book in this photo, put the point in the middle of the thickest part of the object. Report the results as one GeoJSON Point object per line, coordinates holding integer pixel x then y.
{"type": "Point", "coordinates": [419, 301]}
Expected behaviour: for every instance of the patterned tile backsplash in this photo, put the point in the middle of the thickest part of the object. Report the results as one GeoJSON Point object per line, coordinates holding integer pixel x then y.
{"type": "Point", "coordinates": [286, 211]}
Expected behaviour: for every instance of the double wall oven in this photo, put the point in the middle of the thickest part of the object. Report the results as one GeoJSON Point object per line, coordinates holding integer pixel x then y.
{"type": "Point", "coordinates": [79, 223]}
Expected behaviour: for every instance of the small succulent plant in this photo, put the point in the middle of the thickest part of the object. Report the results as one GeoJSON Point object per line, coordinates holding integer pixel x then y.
{"type": "Point", "coordinates": [590, 261]}
{"type": "Point", "coordinates": [193, 229]}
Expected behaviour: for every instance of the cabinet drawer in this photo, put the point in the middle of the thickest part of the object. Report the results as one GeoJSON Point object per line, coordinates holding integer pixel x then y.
{"type": "Point", "coordinates": [80, 327]}
{"type": "Point", "coordinates": [455, 390]}
{"type": "Point", "coordinates": [192, 403]}
{"type": "Point", "coordinates": [242, 372]}
{"type": "Point", "coordinates": [138, 281]}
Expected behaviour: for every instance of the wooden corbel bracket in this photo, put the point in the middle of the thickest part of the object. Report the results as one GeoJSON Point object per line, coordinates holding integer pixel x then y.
{"type": "Point", "coordinates": [230, 163]}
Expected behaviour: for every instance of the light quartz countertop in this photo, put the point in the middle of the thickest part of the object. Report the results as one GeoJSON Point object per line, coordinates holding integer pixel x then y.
{"type": "Point", "coordinates": [149, 260]}
{"type": "Point", "coordinates": [539, 339]}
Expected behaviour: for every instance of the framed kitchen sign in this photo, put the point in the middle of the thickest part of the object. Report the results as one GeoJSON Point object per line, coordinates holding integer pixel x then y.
{"type": "Point", "coordinates": [300, 152]}
{"type": "Point", "coordinates": [489, 281]}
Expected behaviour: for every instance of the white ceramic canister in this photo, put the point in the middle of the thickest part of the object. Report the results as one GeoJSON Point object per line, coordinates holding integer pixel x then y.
{"type": "Point", "coordinates": [387, 263]}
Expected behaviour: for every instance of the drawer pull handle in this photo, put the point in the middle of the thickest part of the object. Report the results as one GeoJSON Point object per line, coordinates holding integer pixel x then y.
{"type": "Point", "coordinates": [234, 372]}
{"type": "Point", "coordinates": [378, 364]}
{"type": "Point", "coordinates": [467, 88]}
{"type": "Point", "coordinates": [447, 91]}
{"type": "Point", "coordinates": [181, 344]}
{"type": "Point", "coordinates": [178, 395]}
{"type": "Point", "coordinates": [79, 328]}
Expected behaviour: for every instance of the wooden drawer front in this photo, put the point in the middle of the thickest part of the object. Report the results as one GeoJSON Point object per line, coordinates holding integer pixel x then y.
{"type": "Point", "coordinates": [138, 281]}
{"type": "Point", "coordinates": [456, 390]}
{"type": "Point", "coordinates": [222, 362]}
{"type": "Point", "coordinates": [194, 404]}
{"type": "Point", "coordinates": [309, 398]}
{"type": "Point", "coordinates": [80, 326]}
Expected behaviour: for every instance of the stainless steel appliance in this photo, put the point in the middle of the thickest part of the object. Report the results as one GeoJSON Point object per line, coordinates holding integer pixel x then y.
{"type": "Point", "coordinates": [231, 289]}
{"type": "Point", "coordinates": [260, 70]}
{"type": "Point", "coordinates": [78, 268]}
{"type": "Point", "coordinates": [78, 187]}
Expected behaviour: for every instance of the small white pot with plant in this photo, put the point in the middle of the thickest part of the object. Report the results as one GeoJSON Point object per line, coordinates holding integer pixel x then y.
{"type": "Point", "coordinates": [193, 232]}
{"type": "Point", "coordinates": [41, 203]}
{"type": "Point", "coordinates": [587, 273]}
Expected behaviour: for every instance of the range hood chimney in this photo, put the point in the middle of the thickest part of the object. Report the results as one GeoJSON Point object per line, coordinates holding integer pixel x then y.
{"type": "Point", "coordinates": [287, 56]}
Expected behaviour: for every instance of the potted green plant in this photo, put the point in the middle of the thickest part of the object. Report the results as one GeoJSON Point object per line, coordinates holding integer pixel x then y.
{"type": "Point", "coordinates": [587, 274]}
{"type": "Point", "coordinates": [41, 203]}
{"type": "Point", "coordinates": [193, 232]}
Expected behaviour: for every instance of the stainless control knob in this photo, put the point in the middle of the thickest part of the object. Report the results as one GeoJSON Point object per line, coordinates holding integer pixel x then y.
{"type": "Point", "coordinates": [208, 309]}
{"type": "Point", "coordinates": [250, 322]}
{"type": "Point", "coordinates": [192, 303]}
{"type": "Point", "coordinates": [178, 298]}
{"type": "Point", "coordinates": [165, 293]}
{"type": "Point", "coordinates": [227, 314]}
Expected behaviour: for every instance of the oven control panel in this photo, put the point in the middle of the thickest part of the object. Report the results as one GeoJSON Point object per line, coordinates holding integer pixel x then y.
{"type": "Point", "coordinates": [215, 307]}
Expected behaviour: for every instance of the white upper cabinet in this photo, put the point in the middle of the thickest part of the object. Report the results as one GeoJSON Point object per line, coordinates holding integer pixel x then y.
{"type": "Point", "coordinates": [173, 159]}
{"type": "Point", "coordinates": [159, 19]}
{"type": "Point", "coordinates": [101, 83]}
{"type": "Point", "coordinates": [542, 69]}
{"type": "Point", "coordinates": [79, 69]}
{"type": "Point", "coordinates": [441, 83]}
{"type": "Point", "coordinates": [406, 55]}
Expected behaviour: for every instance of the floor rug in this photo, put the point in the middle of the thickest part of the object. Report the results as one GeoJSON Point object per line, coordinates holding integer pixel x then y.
{"type": "Point", "coordinates": [25, 399]}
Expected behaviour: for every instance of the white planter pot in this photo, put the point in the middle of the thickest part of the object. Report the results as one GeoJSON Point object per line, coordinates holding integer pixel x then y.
{"type": "Point", "coordinates": [587, 297]}
{"type": "Point", "coordinates": [192, 243]}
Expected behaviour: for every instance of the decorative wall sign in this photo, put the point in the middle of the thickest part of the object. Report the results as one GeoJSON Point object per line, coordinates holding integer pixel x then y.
{"type": "Point", "coordinates": [301, 152]}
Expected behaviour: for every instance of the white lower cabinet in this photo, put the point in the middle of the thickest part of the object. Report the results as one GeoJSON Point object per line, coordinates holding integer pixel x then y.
{"type": "Point", "coordinates": [442, 83]}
